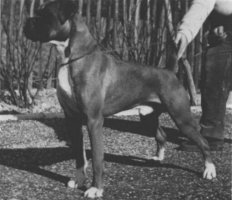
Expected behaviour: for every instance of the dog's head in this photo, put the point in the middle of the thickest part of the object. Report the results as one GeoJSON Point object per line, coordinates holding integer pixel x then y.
{"type": "Point", "coordinates": [51, 22]}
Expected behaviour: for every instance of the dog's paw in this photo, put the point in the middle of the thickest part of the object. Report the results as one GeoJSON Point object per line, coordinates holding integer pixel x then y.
{"type": "Point", "coordinates": [160, 155]}
{"type": "Point", "coordinates": [94, 192]}
{"type": "Point", "coordinates": [157, 158]}
{"type": "Point", "coordinates": [72, 184]}
{"type": "Point", "coordinates": [210, 171]}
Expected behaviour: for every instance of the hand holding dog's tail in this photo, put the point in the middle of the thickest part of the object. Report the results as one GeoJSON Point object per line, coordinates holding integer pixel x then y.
{"type": "Point", "coordinates": [172, 60]}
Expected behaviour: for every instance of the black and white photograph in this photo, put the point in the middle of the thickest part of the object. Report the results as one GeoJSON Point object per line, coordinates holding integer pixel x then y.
{"type": "Point", "coordinates": [116, 99]}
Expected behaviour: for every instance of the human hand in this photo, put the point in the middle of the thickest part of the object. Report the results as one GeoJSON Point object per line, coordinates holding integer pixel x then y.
{"type": "Point", "coordinates": [219, 31]}
{"type": "Point", "coordinates": [182, 43]}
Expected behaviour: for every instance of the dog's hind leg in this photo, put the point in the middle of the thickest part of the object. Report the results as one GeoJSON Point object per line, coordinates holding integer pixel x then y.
{"type": "Point", "coordinates": [150, 123]}
{"type": "Point", "coordinates": [161, 140]}
{"type": "Point", "coordinates": [176, 100]}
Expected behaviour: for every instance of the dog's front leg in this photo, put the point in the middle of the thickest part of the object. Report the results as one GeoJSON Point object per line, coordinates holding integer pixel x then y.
{"type": "Point", "coordinates": [74, 121]}
{"type": "Point", "coordinates": [74, 126]}
{"type": "Point", "coordinates": [95, 125]}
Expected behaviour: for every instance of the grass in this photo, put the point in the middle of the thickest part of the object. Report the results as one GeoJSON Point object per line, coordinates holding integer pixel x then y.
{"type": "Point", "coordinates": [35, 163]}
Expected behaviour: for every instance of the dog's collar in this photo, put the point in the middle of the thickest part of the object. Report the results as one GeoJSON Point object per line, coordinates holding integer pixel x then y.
{"type": "Point", "coordinates": [79, 57]}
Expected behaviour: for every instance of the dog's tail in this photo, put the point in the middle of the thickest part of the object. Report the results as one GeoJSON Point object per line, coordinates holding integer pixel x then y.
{"type": "Point", "coordinates": [172, 59]}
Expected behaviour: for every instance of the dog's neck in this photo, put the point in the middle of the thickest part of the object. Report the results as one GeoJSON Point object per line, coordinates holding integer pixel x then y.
{"type": "Point", "coordinates": [81, 40]}
{"type": "Point", "coordinates": [79, 43]}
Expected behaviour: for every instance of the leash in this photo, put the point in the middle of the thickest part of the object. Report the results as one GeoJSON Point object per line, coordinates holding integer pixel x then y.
{"type": "Point", "coordinates": [80, 57]}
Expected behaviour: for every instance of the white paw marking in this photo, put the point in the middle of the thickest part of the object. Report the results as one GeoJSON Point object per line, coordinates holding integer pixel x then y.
{"type": "Point", "coordinates": [156, 158]}
{"type": "Point", "coordinates": [160, 155]}
{"type": "Point", "coordinates": [94, 193]}
{"type": "Point", "coordinates": [210, 171]}
{"type": "Point", "coordinates": [72, 184]}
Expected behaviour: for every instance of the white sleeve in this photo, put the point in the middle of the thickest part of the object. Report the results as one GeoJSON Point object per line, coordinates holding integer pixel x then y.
{"type": "Point", "coordinates": [195, 17]}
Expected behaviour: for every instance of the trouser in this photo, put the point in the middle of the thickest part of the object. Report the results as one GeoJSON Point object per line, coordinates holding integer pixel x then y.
{"type": "Point", "coordinates": [215, 88]}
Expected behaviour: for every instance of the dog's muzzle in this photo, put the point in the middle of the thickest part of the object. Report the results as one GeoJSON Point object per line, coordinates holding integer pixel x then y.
{"type": "Point", "coordinates": [29, 28]}
{"type": "Point", "coordinates": [35, 30]}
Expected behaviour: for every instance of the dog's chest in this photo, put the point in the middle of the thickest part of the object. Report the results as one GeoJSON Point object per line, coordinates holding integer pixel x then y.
{"type": "Point", "coordinates": [64, 83]}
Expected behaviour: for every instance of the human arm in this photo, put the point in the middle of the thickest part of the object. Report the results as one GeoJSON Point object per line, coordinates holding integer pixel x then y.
{"type": "Point", "coordinates": [192, 22]}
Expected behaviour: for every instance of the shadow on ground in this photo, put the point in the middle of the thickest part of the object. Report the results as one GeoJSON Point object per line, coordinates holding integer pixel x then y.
{"type": "Point", "coordinates": [123, 125]}
{"type": "Point", "coordinates": [32, 160]}
{"type": "Point", "coordinates": [39, 161]}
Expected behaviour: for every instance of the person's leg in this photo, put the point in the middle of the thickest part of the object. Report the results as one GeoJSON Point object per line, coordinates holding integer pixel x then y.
{"type": "Point", "coordinates": [216, 82]}
{"type": "Point", "coordinates": [215, 91]}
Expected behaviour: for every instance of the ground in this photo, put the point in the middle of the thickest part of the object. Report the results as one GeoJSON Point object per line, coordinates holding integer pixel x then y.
{"type": "Point", "coordinates": [36, 163]}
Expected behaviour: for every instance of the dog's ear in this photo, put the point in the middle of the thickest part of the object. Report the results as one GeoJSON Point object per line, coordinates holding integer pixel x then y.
{"type": "Point", "coordinates": [67, 9]}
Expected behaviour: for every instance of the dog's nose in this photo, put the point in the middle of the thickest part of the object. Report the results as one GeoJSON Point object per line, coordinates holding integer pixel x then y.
{"type": "Point", "coordinates": [30, 23]}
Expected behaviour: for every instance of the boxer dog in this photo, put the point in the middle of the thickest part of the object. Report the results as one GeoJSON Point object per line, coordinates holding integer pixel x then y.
{"type": "Point", "coordinates": [94, 85]}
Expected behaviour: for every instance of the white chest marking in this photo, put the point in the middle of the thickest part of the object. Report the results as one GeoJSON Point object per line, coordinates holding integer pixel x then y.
{"type": "Point", "coordinates": [63, 72]}
{"type": "Point", "coordinates": [60, 46]}
{"type": "Point", "coordinates": [64, 80]}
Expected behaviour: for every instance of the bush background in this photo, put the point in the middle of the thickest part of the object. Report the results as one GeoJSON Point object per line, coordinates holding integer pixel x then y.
{"type": "Point", "coordinates": [134, 30]}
